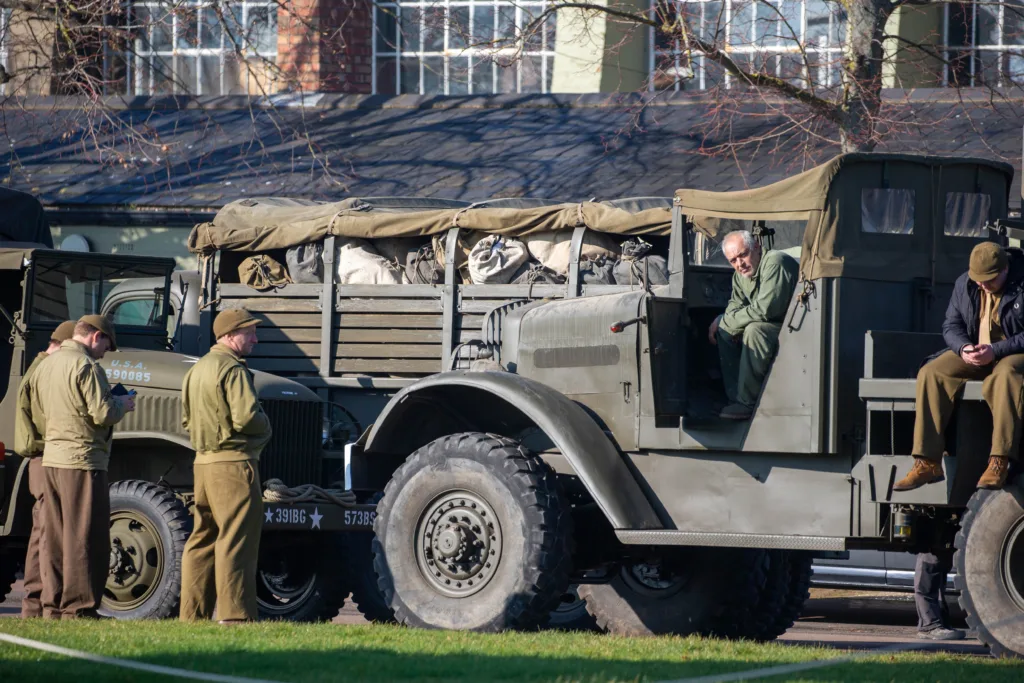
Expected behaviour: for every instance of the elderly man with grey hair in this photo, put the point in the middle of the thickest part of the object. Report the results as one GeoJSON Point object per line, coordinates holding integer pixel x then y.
{"type": "Point", "coordinates": [747, 334]}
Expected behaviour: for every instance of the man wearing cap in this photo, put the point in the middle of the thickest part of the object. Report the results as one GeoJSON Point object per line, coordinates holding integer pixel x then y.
{"type": "Point", "coordinates": [29, 427]}
{"type": "Point", "coordinates": [228, 428]}
{"type": "Point", "coordinates": [80, 413]}
{"type": "Point", "coordinates": [984, 330]}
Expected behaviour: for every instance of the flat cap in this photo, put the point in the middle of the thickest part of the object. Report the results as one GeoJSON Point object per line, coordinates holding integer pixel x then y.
{"type": "Point", "coordinates": [64, 331]}
{"type": "Point", "coordinates": [232, 320]}
{"type": "Point", "coordinates": [988, 259]}
{"type": "Point", "coordinates": [104, 325]}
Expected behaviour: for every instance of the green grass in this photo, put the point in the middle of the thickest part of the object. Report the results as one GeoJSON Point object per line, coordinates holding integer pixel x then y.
{"type": "Point", "coordinates": [307, 653]}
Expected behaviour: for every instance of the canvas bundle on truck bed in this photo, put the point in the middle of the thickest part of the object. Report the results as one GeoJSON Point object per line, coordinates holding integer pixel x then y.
{"type": "Point", "coordinates": [397, 331]}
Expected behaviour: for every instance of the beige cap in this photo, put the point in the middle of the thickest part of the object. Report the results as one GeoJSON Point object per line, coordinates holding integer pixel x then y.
{"type": "Point", "coordinates": [227, 322]}
{"type": "Point", "coordinates": [64, 331]}
{"type": "Point", "coordinates": [988, 259]}
{"type": "Point", "coordinates": [104, 325]}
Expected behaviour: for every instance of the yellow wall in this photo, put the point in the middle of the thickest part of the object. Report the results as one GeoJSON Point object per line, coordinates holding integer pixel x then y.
{"type": "Point", "coordinates": [910, 67]}
{"type": "Point", "coordinates": [596, 53]}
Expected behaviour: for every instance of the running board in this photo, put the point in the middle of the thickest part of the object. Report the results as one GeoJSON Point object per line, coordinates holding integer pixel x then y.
{"type": "Point", "coordinates": [706, 538]}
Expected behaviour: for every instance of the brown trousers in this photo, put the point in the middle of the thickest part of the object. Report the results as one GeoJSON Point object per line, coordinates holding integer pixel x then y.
{"type": "Point", "coordinates": [31, 604]}
{"type": "Point", "coordinates": [940, 382]}
{"type": "Point", "coordinates": [218, 567]}
{"type": "Point", "coordinates": [75, 550]}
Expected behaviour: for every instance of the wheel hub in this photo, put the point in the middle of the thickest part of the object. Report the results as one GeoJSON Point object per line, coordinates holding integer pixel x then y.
{"type": "Point", "coordinates": [284, 581]}
{"type": "Point", "coordinates": [136, 561]}
{"type": "Point", "coordinates": [459, 543]}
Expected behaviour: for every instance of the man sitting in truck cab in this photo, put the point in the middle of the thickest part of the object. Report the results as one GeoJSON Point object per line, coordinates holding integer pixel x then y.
{"type": "Point", "coordinates": [747, 334]}
{"type": "Point", "coordinates": [984, 330]}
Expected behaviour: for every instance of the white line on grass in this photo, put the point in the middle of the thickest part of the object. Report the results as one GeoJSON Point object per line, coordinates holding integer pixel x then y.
{"type": "Point", "coordinates": [769, 671]}
{"type": "Point", "coordinates": [127, 663]}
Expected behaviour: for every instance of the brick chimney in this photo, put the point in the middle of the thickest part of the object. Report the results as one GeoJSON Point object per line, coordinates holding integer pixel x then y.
{"type": "Point", "coordinates": [326, 45]}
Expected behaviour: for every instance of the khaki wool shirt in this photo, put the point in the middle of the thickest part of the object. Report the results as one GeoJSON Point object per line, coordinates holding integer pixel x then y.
{"type": "Point", "coordinates": [763, 298]}
{"type": "Point", "coordinates": [29, 425]}
{"type": "Point", "coordinates": [221, 411]}
{"type": "Point", "coordinates": [80, 412]}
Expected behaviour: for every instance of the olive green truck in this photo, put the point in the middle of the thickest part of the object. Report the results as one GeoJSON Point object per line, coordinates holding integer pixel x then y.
{"type": "Point", "coordinates": [531, 436]}
{"type": "Point", "coordinates": [300, 576]}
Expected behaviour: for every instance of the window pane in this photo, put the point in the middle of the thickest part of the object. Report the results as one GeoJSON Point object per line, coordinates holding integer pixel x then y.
{"type": "Point", "coordinates": [506, 24]}
{"type": "Point", "coordinates": [140, 312]}
{"type": "Point", "coordinates": [507, 75]}
{"type": "Point", "coordinates": [386, 76]}
{"type": "Point", "coordinates": [210, 75]}
{"type": "Point", "coordinates": [741, 22]}
{"type": "Point", "coordinates": [234, 76]}
{"type": "Point", "coordinates": [458, 76]}
{"type": "Point", "coordinates": [531, 74]}
{"type": "Point", "coordinates": [1013, 22]}
{"type": "Point", "coordinates": [211, 29]}
{"type": "Point", "coordinates": [188, 27]}
{"type": "Point", "coordinates": [887, 211]}
{"type": "Point", "coordinates": [262, 30]}
{"type": "Point", "coordinates": [410, 75]}
{"type": "Point", "coordinates": [458, 28]}
{"type": "Point", "coordinates": [163, 75]}
{"type": "Point", "coordinates": [433, 29]}
{"type": "Point", "coordinates": [387, 29]}
{"type": "Point", "coordinates": [433, 75]}
{"type": "Point", "coordinates": [549, 32]}
{"type": "Point", "coordinates": [186, 75]}
{"type": "Point", "coordinates": [483, 24]}
{"type": "Point", "coordinates": [789, 24]}
{"type": "Point", "coordinates": [410, 24]}
{"type": "Point", "coordinates": [818, 13]}
{"type": "Point", "coordinates": [162, 29]}
{"type": "Point", "coordinates": [483, 75]}
{"type": "Point", "coordinates": [987, 24]}
{"type": "Point", "coordinates": [713, 27]}
{"type": "Point", "coordinates": [142, 26]}
{"type": "Point", "coordinates": [966, 214]}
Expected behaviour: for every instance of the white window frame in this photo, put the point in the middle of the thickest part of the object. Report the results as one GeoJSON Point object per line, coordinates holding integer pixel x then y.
{"type": "Point", "coordinates": [471, 53]}
{"type": "Point", "coordinates": [1002, 47]}
{"type": "Point", "coordinates": [134, 84]}
{"type": "Point", "coordinates": [824, 77]}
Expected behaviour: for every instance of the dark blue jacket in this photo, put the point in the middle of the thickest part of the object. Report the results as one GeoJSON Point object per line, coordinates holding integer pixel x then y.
{"type": "Point", "coordinates": [961, 325]}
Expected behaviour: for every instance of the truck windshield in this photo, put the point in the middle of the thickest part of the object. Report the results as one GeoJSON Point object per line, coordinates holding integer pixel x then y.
{"type": "Point", "coordinates": [68, 289]}
{"type": "Point", "coordinates": [788, 237]}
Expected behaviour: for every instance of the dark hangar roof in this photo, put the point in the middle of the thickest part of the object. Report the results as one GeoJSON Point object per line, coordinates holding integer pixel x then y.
{"type": "Point", "coordinates": [187, 154]}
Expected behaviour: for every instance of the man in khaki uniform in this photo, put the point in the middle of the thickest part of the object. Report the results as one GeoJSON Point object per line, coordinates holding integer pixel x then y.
{"type": "Point", "coordinates": [228, 428]}
{"type": "Point", "coordinates": [29, 427]}
{"type": "Point", "coordinates": [80, 414]}
{"type": "Point", "coordinates": [984, 335]}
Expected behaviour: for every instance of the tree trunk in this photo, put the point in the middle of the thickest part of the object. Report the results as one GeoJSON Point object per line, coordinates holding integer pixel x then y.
{"type": "Point", "coordinates": [862, 73]}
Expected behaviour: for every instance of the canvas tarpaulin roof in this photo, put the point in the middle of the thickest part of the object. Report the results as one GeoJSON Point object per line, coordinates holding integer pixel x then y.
{"type": "Point", "coordinates": [271, 223]}
{"type": "Point", "coordinates": [830, 198]}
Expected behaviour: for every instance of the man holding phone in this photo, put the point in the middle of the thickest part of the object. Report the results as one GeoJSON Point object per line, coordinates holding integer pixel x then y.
{"type": "Point", "coordinates": [80, 412]}
{"type": "Point", "coordinates": [984, 333]}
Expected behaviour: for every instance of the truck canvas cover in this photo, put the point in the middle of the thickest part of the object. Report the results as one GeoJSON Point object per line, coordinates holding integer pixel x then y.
{"type": "Point", "coordinates": [274, 223]}
{"type": "Point", "coordinates": [834, 199]}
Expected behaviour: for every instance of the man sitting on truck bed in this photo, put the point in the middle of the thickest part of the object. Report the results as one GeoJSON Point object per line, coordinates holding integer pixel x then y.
{"type": "Point", "coordinates": [984, 330]}
{"type": "Point", "coordinates": [747, 334]}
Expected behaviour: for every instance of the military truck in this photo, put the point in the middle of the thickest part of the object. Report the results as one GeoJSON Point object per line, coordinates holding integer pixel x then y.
{"type": "Point", "coordinates": [591, 453]}
{"type": "Point", "coordinates": [301, 573]}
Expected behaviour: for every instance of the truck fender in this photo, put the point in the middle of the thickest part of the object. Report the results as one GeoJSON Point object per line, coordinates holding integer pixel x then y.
{"type": "Point", "coordinates": [504, 403]}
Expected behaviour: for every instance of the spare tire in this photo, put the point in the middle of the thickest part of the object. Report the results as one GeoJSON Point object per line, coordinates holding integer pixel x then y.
{"type": "Point", "coordinates": [990, 568]}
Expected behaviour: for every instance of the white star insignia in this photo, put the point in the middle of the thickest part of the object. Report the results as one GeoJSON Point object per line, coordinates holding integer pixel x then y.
{"type": "Point", "coordinates": [270, 515]}
{"type": "Point", "coordinates": [316, 517]}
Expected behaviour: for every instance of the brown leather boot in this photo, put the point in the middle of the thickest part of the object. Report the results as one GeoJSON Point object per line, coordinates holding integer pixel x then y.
{"type": "Point", "coordinates": [995, 475]}
{"type": "Point", "coordinates": [924, 471]}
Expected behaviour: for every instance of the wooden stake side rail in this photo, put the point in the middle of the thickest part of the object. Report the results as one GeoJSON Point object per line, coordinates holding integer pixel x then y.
{"type": "Point", "coordinates": [318, 517]}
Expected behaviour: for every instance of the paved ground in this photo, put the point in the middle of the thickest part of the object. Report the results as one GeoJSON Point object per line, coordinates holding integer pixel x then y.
{"type": "Point", "coordinates": [841, 619]}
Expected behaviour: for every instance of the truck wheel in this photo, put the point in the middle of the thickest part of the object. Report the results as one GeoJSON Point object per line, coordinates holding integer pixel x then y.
{"type": "Point", "coordinates": [300, 582]}
{"type": "Point", "coordinates": [571, 613]}
{"type": "Point", "coordinates": [148, 529]}
{"type": "Point", "coordinates": [362, 578]}
{"type": "Point", "coordinates": [472, 534]}
{"type": "Point", "coordinates": [990, 568]}
{"type": "Point", "coordinates": [695, 591]}
{"type": "Point", "coordinates": [787, 582]}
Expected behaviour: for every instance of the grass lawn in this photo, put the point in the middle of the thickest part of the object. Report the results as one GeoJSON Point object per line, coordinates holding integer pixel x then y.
{"type": "Point", "coordinates": [306, 653]}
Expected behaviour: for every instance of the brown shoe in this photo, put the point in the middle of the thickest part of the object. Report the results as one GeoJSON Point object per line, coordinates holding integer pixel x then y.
{"type": "Point", "coordinates": [995, 475]}
{"type": "Point", "coordinates": [924, 471]}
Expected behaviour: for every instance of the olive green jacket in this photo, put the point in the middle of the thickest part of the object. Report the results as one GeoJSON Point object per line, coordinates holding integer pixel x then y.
{"type": "Point", "coordinates": [221, 411]}
{"type": "Point", "coordinates": [80, 412]}
{"type": "Point", "coordinates": [763, 298]}
{"type": "Point", "coordinates": [29, 425]}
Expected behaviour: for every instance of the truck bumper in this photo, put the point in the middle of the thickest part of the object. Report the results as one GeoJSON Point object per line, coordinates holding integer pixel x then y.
{"type": "Point", "coordinates": [317, 517]}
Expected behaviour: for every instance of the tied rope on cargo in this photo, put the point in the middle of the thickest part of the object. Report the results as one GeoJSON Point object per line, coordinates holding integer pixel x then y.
{"type": "Point", "coordinates": [276, 491]}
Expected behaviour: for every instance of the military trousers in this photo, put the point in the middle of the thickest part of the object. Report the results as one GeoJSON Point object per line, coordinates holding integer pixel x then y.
{"type": "Point", "coordinates": [931, 571]}
{"type": "Point", "coordinates": [218, 566]}
{"type": "Point", "coordinates": [32, 604]}
{"type": "Point", "coordinates": [75, 547]}
{"type": "Point", "coordinates": [746, 360]}
{"type": "Point", "coordinates": [941, 381]}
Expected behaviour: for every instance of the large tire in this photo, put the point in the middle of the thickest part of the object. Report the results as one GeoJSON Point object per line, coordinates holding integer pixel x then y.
{"type": "Point", "coordinates": [705, 591]}
{"type": "Point", "coordinates": [786, 589]}
{"type": "Point", "coordinates": [571, 613]}
{"type": "Point", "coordinates": [148, 529]}
{"type": "Point", "coordinates": [497, 533]}
{"type": "Point", "coordinates": [304, 582]}
{"type": "Point", "coordinates": [362, 578]}
{"type": "Point", "coordinates": [990, 568]}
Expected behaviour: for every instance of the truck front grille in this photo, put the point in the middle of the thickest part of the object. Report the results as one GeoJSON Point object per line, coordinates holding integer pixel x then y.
{"type": "Point", "coordinates": [294, 453]}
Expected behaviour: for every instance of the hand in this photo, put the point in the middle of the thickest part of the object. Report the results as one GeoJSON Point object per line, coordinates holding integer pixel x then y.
{"type": "Point", "coordinates": [979, 355]}
{"type": "Point", "coordinates": [713, 331]}
{"type": "Point", "coordinates": [128, 402]}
